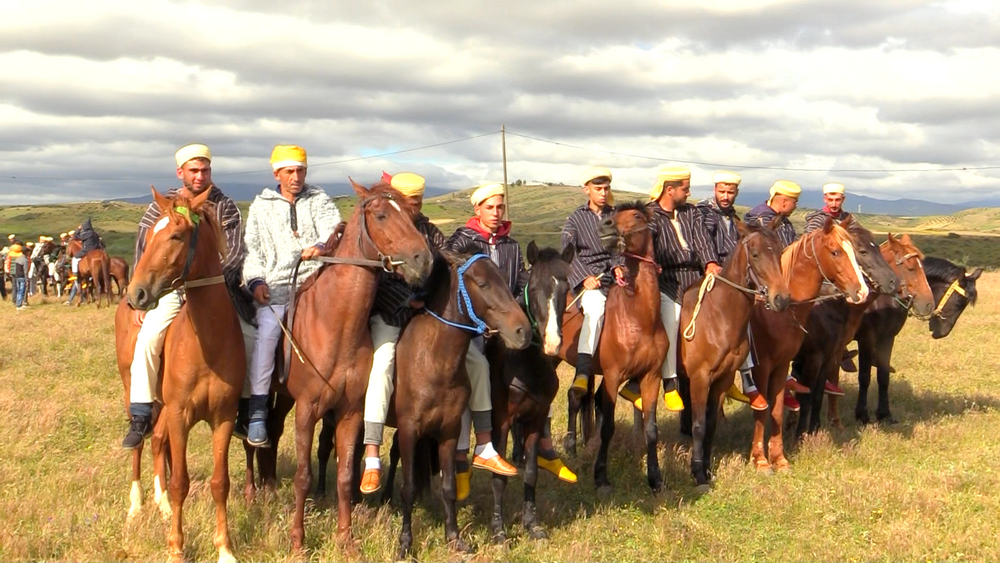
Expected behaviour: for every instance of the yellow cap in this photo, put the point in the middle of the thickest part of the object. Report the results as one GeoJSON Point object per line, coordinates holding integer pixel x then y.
{"type": "Point", "coordinates": [668, 174]}
{"type": "Point", "coordinates": [727, 178]}
{"type": "Point", "coordinates": [833, 188]}
{"type": "Point", "coordinates": [30, 244]}
{"type": "Point", "coordinates": [785, 188]}
{"type": "Point", "coordinates": [11, 236]}
{"type": "Point", "coordinates": [71, 233]}
{"type": "Point", "coordinates": [408, 183]}
{"type": "Point", "coordinates": [63, 235]}
{"type": "Point", "coordinates": [594, 173]}
{"type": "Point", "coordinates": [16, 249]}
{"type": "Point", "coordinates": [194, 150]}
{"type": "Point", "coordinates": [284, 156]}
{"type": "Point", "coordinates": [485, 192]}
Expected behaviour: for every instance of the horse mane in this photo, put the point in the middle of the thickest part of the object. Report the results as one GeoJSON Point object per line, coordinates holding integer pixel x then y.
{"type": "Point", "coordinates": [942, 271]}
{"type": "Point", "coordinates": [909, 248]}
{"type": "Point", "coordinates": [330, 248]}
{"type": "Point", "coordinates": [209, 213]}
{"type": "Point", "coordinates": [635, 205]}
{"type": "Point", "coordinates": [552, 259]}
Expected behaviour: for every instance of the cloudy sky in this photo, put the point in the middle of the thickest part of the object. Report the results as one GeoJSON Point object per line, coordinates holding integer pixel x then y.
{"type": "Point", "coordinates": [97, 95]}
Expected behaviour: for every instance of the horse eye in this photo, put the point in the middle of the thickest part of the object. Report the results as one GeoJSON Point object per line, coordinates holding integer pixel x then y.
{"type": "Point", "coordinates": [176, 236]}
{"type": "Point", "coordinates": [380, 216]}
{"type": "Point", "coordinates": [835, 253]}
{"type": "Point", "coordinates": [484, 285]}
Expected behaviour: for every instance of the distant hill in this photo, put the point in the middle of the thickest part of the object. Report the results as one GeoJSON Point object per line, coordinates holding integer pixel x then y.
{"type": "Point", "coordinates": [247, 192]}
{"type": "Point", "coordinates": [869, 205]}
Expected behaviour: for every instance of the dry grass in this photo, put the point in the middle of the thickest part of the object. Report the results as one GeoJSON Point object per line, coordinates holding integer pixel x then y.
{"type": "Point", "coordinates": [924, 488]}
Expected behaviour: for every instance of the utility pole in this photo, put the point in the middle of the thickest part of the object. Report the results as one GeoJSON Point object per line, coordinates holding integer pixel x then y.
{"type": "Point", "coordinates": [503, 146]}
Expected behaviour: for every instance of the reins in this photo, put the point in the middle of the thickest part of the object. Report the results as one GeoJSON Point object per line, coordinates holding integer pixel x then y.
{"type": "Point", "coordinates": [478, 326]}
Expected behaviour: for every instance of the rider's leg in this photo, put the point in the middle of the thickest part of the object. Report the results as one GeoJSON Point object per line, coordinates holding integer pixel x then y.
{"type": "Point", "coordinates": [243, 412]}
{"type": "Point", "coordinates": [481, 405]}
{"type": "Point", "coordinates": [265, 346]}
{"type": "Point", "coordinates": [670, 312]}
{"type": "Point", "coordinates": [592, 302]}
{"type": "Point", "coordinates": [380, 386]}
{"type": "Point", "coordinates": [548, 459]}
{"type": "Point", "coordinates": [463, 471]}
{"type": "Point", "coordinates": [146, 361]}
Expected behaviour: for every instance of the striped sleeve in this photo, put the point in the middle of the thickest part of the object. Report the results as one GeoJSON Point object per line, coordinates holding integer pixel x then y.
{"type": "Point", "coordinates": [231, 220]}
{"type": "Point", "coordinates": [700, 240]}
{"type": "Point", "coordinates": [148, 220]}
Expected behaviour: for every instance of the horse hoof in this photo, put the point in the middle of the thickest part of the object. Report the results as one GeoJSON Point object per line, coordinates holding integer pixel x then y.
{"type": "Point", "coordinates": [569, 445]}
{"type": "Point", "coordinates": [862, 419]}
{"type": "Point", "coordinates": [762, 466]}
{"type": "Point", "coordinates": [836, 424]}
{"type": "Point", "coordinates": [782, 466]}
{"type": "Point", "coordinates": [703, 488]}
{"type": "Point", "coordinates": [537, 533]}
{"type": "Point", "coordinates": [656, 486]}
{"type": "Point", "coordinates": [499, 537]}
{"type": "Point", "coordinates": [226, 556]}
{"type": "Point", "coordinates": [461, 546]}
{"type": "Point", "coordinates": [888, 420]}
{"type": "Point", "coordinates": [605, 490]}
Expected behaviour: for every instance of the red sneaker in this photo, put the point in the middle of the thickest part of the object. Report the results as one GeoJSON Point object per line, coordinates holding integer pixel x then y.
{"type": "Point", "coordinates": [790, 402]}
{"type": "Point", "coordinates": [831, 389]}
{"type": "Point", "coordinates": [793, 385]}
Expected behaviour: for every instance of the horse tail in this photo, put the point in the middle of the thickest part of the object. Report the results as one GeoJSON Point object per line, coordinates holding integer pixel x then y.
{"type": "Point", "coordinates": [425, 464]}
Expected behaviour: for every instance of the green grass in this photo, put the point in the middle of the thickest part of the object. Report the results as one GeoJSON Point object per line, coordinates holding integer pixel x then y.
{"type": "Point", "coordinates": [923, 489]}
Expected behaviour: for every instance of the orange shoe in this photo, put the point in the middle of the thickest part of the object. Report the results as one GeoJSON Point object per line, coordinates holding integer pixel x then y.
{"type": "Point", "coordinates": [495, 464]}
{"type": "Point", "coordinates": [794, 386]}
{"type": "Point", "coordinates": [790, 402]}
{"type": "Point", "coordinates": [371, 481]}
{"type": "Point", "coordinates": [830, 389]}
{"type": "Point", "coordinates": [757, 401]}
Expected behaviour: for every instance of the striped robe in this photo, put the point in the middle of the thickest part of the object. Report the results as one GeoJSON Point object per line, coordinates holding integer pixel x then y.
{"type": "Point", "coordinates": [392, 298]}
{"type": "Point", "coordinates": [682, 265]}
{"type": "Point", "coordinates": [591, 259]}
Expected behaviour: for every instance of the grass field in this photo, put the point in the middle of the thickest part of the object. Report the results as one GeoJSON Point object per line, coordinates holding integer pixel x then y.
{"type": "Point", "coordinates": [923, 489]}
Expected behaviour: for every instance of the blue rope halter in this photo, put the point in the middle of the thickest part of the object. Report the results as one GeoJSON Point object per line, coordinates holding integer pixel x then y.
{"type": "Point", "coordinates": [478, 326]}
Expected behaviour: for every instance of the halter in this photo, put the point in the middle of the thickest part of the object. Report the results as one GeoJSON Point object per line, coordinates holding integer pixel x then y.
{"type": "Point", "coordinates": [478, 325]}
{"type": "Point", "coordinates": [384, 261]}
{"type": "Point", "coordinates": [907, 303]}
{"type": "Point", "coordinates": [182, 280]}
{"type": "Point", "coordinates": [953, 288]}
{"type": "Point", "coordinates": [839, 292]}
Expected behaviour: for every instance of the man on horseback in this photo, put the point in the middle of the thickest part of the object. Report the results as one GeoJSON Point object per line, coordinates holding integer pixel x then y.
{"type": "Point", "coordinates": [194, 169]}
{"type": "Point", "coordinates": [719, 216]}
{"type": "Point", "coordinates": [784, 198]}
{"type": "Point", "coordinates": [486, 233]}
{"type": "Point", "coordinates": [284, 224]}
{"type": "Point", "coordinates": [392, 310]}
{"type": "Point", "coordinates": [684, 253]}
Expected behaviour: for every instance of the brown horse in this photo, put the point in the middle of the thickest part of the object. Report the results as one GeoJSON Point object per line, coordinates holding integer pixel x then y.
{"type": "Point", "coordinates": [824, 254]}
{"type": "Point", "coordinates": [329, 370]}
{"type": "Point", "coordinates": [432, 386]}
{"type": "Point", "coordinates": [885, 317]}
{"type": "Point", "coordinates": [633, 344]}
{"type": "Point", "coordinates": [831, 326]}
{"type": "Point", "coordinates": [95, 266]}
{"type": "Point", "coordinates": [523, 383]}
{"type": "Point", "coordinates": [203, 363]}
{"type": "Point", "coordinates": [118, 270]}
{"type": "Point", "coordinates": [715, 315]}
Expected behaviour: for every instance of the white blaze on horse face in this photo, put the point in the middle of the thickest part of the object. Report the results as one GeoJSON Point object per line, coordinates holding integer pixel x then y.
{"type": "Point", "coordinates": [395, 206]}
{"type": "Point", "coordinates": [863, 293]}
{"type": "Point", "coordinates": [551, 339]}
{"type": "Point", "coordinates": [161, 224]}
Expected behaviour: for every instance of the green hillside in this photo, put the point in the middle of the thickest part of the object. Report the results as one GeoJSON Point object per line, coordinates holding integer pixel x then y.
{"type": "Point", "coordinates": [969, 237]}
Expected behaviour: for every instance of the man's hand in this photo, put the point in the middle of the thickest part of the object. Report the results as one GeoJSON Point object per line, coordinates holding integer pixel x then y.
{"type": "Point", "coordinates": [262, 294]}
{"type": "Point", "coordinates": [619, 274]}
{"type": "Point", "coordinates": [591, 282]}
{"type": "Point", "coordinates": [310, 252]}
{"type": "Point", "coordinates": [713, 268]}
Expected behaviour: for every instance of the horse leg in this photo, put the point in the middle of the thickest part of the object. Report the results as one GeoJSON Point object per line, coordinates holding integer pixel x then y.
{"type": "Point", "coordinates": [761, 379]}
{"type": "Point", "coordinates": [267, 458]}
{"type": "Point", "coordinates": [529, 515]}
{"type": "Point", "coordinates": [446, 458]}
{"type": "Point", "coordinates": [136, 494]}
{"type": "Point", "coordinates": [833, 403]}
{"type": "Point", "coordinates": [516, 442]}
{"type": "Point", "coordinates": [864, 381]}
{"type": "Point", "coordinates": [407, 443]}
{"type": "Point", "coordinates": [650, 388]}
{"type": "Point", "coordinates": [776, 444]}
{"type": "Point", "coordinates": [323, 450]}
{"type": "Point", "coordinates": [817, 394]}
{"type": "Point", "coordinates": [250, 482]}
{"type": "Point", "coordinates": [221, 435]}
{"type": "Point", "coordinates": [588, 412]}
{"type": "Point", "coordinates": [305, 426]}
{"type": "Point", "coordinates": [574, 403]}
{"type": "Point", "coordinates": [160, 444]}
{"type": "Point", "coordinates": [499, 482]}
{"type": "Point", "coordinates": [390, 476]}
{"type": "Point", "coordinates": [684, 388]}
{"type": "Point", "coordinates": [348, 435]}
{"type": "Point", "coordinates": [884, 356]}
{"type": "Point", "coordinates": [605, 401]}
{"type": "Point", "coordinates": [699, 392]}
{"type": "Point", "coordinates": [712, 414]}
{"type": "Point", "coordinates": [180, 483]}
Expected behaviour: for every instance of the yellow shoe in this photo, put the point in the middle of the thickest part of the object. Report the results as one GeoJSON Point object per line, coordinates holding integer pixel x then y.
{"type": "Point", "coordinates": [463, 484]}
{"type": "Point", "coordinates": [734, 393]}
{"type": "Point", "coordinates": [630, 392]}
{"type": "Point", "coordinates": [673, 401]}
{"type": "Point", "coordinates": [556, 467]}
{"type": "Point", "coordinates": [579, 387]}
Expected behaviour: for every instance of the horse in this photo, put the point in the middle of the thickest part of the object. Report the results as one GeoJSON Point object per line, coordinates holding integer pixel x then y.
{"type": "Point", "coordinates": [203, 365]}
{"type": "Point", "coordinates": [95, 265]}
{"type": "Point", "coordinates": [332, 343]}
{"type": "Point", "coordinates": [831, 325]}
{"type": "Point", "coordinates": [633, 343]}
{"type": "Point", "coordinates": [118, 270]}
{"type": "Point", "coordinates": [715, 341]}
{"type": "Point", "coordinates": [885, 317]}
{"type": "Point", "coordinates": [954, 290]}
{"type": "Point", "coordinates": [523, 383]}
{"type": "Point", "coordinates": [823, 254]}
{"type": "Point", "coordinates": [468, 297]}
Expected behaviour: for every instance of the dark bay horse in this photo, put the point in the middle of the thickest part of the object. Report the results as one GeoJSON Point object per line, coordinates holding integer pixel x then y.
{"type": "Point", "coordinates": [885, 317]}
{"type": "Point", "coordinates": [954, 290]}
{"type": "Point", "coordinates": [633, 344]}
{"type": "Point", "coordinates": [715, 343]}
{"type": "Point", "coordinates": [469, 296]}
{"type": "Point", "coordinates": [824, 254]}
{"type": "Point", "coordinates": [203, 363]}
{"type": "Point", "coordinates": [118, 270]}
{"type": "Point", "coordinates": [95, 266]}
{"type": "Point", "coordinates": [331, 335]}
{"type": "Point", "coordinates": [524, 382]}
{"type": "Point", "coordinates": [831, 326]}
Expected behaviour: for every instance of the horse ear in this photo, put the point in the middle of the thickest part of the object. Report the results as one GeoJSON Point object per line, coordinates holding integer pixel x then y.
{"type": "Point", "coordinates": [975, 274]}
{"type": "Point", "coordinates": [532, 252]}
{"type": "Point", "coordinates": [773, 225]}
{"type": "Point", "coordinates": [199, 201]}
{"type": "Point", "coordinates": [847, 222]}
{"type": "Point", "coordinates": [741, 227]}
{"type": "Point", "coordinates": [569, 253]}
{"type": "Point", "coordinates": [162, 202]}
{"type": "Point", "coordinates": [362, 191]}
{"type": "Point", "coordinates": [828, 226]}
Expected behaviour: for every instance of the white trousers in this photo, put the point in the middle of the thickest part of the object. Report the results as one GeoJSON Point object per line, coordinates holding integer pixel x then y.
{"type": "Point", "coordinates": [479, 376]}
{"type": "Point", "coordinates": [264, 348]}
{"type": "Point", "coordinates": [592, 302]}
{"type": "Point", "coordinates": [146, 359]}
{"type": "Point", "coordinates": [380, 384]}
{"type": "Point", "coordinates": [748, 363]}
{"type": "Point", "coordinates": [249, 338]}
{"type": "Point", "coordinates": [670, 312]}
{"type": "Point", "coordinates": [75, 265]}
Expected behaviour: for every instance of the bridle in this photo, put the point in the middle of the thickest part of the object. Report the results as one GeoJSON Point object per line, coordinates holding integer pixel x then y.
{"type": "Point", "coordinates": [955, 287]}
{"type": "Point", "coordinates": [182, 280]}
{"type": "Point", "coordinates": [478, 326]}
{"type": "Point", "coordinates": [384, 261]}
{"type": "Point", "coordinates": [906, 302]}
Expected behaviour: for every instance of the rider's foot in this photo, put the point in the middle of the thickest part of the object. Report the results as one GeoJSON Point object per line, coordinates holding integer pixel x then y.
{"type": "Point", "coordinates": [487, 458]}
{"type": "Point", "coordinates": [139, 429]}
{"type": "Point", "coordinates": [257, 429]}
{"type": "Point", "coordinates": [579, 388]}
{"type": "Point", "coordinates": [549, 461]}
{"type": "Point", "coordinates": [671, 396]}
{"type": "Point", "coordinates": [830, 389]}
{"type": "Point", "coordinates": [790, 402]}
{"type": "Point", "coordinates": [792, 384]}
{"type": "Point", "coordinates": [736, 394]}
{"type": "Point", "coordinates": [242, 419]}
{"type": "Point", "coordinates": [631, 393]}
{"type": "Point", "coordinates": [371, 480]}
{"type": "Point", "coordinates": [463, 480]}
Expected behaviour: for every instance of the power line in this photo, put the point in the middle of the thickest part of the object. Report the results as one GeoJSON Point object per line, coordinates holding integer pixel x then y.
{"type": "Point", "coordinates": [744, 166]}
